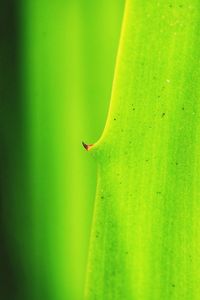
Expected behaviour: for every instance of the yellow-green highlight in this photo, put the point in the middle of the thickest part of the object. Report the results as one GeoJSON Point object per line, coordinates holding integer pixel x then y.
{"type": "Point", "coordinates": [145, 240]}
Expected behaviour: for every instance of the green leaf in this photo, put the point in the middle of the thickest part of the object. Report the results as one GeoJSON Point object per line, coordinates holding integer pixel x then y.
{"type": "Point", "coordinates": [146, 226]}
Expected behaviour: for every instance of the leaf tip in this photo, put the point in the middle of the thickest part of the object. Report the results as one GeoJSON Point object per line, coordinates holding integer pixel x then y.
{"type": "Point", "coordinates": [87, 147]}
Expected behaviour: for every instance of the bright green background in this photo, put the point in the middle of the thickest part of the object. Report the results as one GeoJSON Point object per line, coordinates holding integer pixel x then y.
{"type": "Point", "coordinates": [68, 52]}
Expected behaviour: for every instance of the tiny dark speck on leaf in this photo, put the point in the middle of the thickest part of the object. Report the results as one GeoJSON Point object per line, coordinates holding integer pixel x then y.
{"type": "Point", "coordinates": [114, 119]}
{"type": "Point", "coordinates": [183, 108]}
{"type": "Point", "coordinates": [102, 197]}
{"type": "Point", "coordinates": [163, 114]}
{"type": "Point", "coordinates": [176, 163]}
{"type": "Point", "coordinates": [173, 285]}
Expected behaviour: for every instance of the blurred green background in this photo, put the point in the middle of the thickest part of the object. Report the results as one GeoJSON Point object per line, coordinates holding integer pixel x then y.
{"type": "Point", "coordinates": [57, 62]}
